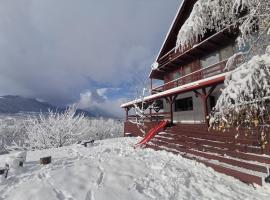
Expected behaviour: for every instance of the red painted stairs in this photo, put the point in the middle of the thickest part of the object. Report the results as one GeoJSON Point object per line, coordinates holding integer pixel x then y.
{"type": "Point", "coordinates": [240, 158]}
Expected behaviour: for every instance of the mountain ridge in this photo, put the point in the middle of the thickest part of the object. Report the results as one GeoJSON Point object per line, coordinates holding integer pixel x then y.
{"type": "Point", "coordinates": [15, 104]}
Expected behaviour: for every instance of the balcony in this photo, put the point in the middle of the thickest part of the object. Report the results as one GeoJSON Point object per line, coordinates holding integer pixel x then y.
{"type": "Point", "coordinates": [181, 56]}
{"type": "Point", "coordinates": [207, 72]}
{"type": "Point", "coordinates": [172, 55]}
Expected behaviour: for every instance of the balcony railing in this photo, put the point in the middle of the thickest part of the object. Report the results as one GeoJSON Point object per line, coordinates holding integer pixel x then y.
{"type": "Point", "coordinates": [210, 71]}
{"type": "Point", "coordinates": [177, 52]}
{"type": "Point", "coordinates": [151, 116]}
{"type": "Point", "coordinates": [172, 54]}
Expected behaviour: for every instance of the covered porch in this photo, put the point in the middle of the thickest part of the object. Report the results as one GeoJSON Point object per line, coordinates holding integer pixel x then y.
{"type": "Point", "coordinates": [163, 105]}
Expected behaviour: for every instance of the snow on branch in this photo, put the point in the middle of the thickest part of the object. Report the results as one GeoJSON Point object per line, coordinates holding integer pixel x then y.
{"type": "Point", "coordinates": [245, 100]}
{"type": "Point", "coordinates": [215, 15]}
{"type": "Point", "coordinates": [57, 129]}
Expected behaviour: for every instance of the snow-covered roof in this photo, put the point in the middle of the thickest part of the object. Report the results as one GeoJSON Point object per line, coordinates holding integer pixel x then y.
{"type": "Point", "coordinates": [179, 89]}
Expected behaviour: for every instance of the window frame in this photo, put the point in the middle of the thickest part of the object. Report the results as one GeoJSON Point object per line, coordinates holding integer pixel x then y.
{"type": "Point", "coordinates": [187, 104]}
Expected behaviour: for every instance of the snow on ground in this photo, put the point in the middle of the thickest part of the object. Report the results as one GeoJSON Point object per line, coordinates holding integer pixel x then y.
{"type": "Point", "coordinates": [113, 170]}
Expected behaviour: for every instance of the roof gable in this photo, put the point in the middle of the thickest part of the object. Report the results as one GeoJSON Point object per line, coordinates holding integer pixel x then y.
{"type": "Point", "coordinates": [180, 18]}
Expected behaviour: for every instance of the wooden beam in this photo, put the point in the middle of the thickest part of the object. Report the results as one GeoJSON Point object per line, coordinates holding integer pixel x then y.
{"type": "Point", "coordinates": [127, 109]}
{"type": "Point", "coordinates": [190, 55]}
{"type": "Point", "coordinates": [202, 51]}
{"type": "Point", "coordinates": [227, 37]}
{"type": "Point", "coordinates": [174, 98]}
{"type": "Point", "coordinates": [198, 94]}
{"type": "Point", "coordinates": [211, 90]}
{"type": "Point", "coordinates": [150, 112]}
{"type": "Point", "coordinates": [203, 97]}
{"type": "Point", "coordinates": [215, 43]}
{"type": "Point", "coordinates": [171, 109]}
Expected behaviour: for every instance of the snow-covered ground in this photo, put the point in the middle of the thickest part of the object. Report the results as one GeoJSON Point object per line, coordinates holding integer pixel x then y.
{"type": "Point", "coordinates": [113, 170]}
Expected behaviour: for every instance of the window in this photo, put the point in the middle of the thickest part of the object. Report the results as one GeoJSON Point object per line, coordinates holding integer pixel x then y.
{"type": "Point", "coordinates": [226, 52]}
{"type": "Point", "coordinates": [187, 70]}
{"type": "Point", "coordinates": [209, 60]}
{"type": "Point", "coordinates": [185, 104]}
{"type": "Point", "coordinates": [176, 75]}
{"type": "Point", "coordinates": [212, 102]}
{"type": "Point", "coordinates": [158, 105]}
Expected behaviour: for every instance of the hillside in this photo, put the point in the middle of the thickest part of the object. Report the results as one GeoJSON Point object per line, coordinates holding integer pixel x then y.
{"type": "Point", "coordinates": [16, 104]}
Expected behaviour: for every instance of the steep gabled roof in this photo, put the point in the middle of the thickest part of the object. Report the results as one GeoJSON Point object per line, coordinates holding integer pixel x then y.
{"type": "Point", "coordinates": [171, 37]}
{"type": "Point", "coordinates": [180, 18]}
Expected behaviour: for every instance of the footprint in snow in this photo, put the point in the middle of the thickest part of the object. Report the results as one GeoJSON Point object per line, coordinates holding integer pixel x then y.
{"type": "Point", "coordinates": [107, 151]}
{"type": "Point", "coordinates": [90, 195]}
{"type": "Point", "coordinates": [61, 195]}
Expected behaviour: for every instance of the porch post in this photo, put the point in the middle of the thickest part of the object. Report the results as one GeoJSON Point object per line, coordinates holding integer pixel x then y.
{"type": "Point", "coordinates": [205, 107]}
{"type": "Point", "coordinates": [204, 97]}
{"type": "Point", "coordinates": [171, 100]}
{"type": "Point", "coordinates": [150, 112]}
{"type": "Point", "coordinates": [267, 148]}
{"type": "Point", "coordinates": [171, 109]}
{"type": "Point", "coordinates": [127, 109]}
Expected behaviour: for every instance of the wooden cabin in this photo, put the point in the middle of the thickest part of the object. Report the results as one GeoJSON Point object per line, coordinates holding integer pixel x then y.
{"type": "Point", "coordinates": [192, 79]}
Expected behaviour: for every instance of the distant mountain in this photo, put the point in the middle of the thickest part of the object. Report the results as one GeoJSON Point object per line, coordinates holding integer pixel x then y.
{"type": "Point", "coordinates": [16, 104]}
{"type": "Point", "coordinates": [101, 113]}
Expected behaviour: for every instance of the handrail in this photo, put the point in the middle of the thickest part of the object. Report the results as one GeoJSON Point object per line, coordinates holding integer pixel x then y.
{"type": "Point", "coordinates": [165, 55]}
{"type": "Point", "coordinates": [175, 53]}
{"type": "Point", "coordinates": [191, 74]}
{"type": "Point", "coordinates": [149, 115]}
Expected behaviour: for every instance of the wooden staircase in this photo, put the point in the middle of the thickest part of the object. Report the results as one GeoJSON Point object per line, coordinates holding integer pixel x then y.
{"type": "Point", "coordinates": [241, 158]}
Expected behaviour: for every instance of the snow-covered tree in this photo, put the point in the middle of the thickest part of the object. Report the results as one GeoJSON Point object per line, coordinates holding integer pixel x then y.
{"type": "Point", "coordinates": [245, 99]}
{"type": "Point", "coordinates": [56, 129]}
{"type": "Point", "coordinates": [247, 16]}
{"type": "Point", "coordinates": [99, 129]}
{"type": "Point", "coordinates": [140, 110]}
{"type": "Point", "coordinates": [12, 134]}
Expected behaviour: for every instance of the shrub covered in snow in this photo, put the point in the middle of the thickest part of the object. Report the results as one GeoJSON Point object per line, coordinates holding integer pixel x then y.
{"type": "Point", "coordinates": [12, 134]}
{"type": "Point", "coordinates": [54, 129]}
{"type": "Point", "coordinates": [61, 129]}
{"type": "Point", "coordinates": [99, 129]}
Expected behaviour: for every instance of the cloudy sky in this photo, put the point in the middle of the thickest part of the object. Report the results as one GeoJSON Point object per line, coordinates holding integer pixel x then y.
{"type": "Point", "coordinates": [91, 52]}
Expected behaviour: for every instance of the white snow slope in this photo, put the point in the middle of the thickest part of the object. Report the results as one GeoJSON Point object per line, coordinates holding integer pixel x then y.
{"type": "Point", "coordinates": [113, 170]}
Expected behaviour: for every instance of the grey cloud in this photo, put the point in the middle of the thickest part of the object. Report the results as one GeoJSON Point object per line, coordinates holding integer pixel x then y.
{"type": "Point", "coordinates": [50, 49]}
